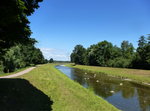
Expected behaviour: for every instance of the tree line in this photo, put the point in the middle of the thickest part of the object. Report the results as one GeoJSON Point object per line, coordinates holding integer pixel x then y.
{"type": "Point", "coordinates": [17, 48]}
{"type": "Point", "coordinates": [108, 55]}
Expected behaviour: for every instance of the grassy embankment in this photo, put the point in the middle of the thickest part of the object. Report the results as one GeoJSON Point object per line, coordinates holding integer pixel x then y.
{"type": "Point", "coordinates": [134, 74]}
{"type": "Point", "coordinates": [66, 94]}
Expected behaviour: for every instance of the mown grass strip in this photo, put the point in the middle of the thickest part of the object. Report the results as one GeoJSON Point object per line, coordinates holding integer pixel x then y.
{"type": "Point", "coordinates": [66, 94]}
{"type": "Point", "coordinates": [137, 75]}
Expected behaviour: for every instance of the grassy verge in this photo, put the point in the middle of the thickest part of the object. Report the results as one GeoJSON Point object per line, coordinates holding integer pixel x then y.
{"type": "Point", "coordinates": [66, 94]}
{"type": "Point", "coordinates": [18, 70]}
{"type": "Point", "coordinates": [134, 74]}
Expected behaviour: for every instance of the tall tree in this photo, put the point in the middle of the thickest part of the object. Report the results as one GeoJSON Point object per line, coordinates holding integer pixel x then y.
{"type": "Point", "coordinates": [103, 52]}
{"type": "Point", "coordinates": [13, 59]}
{"type": "Point", "coordinates": [127, 49]}
{"type": "Point", "coordinates": [90, 56]}
{"type": "Point", "coordinates": [148, 39]}
{"type": "Point", "coordinates": [142, 59]}
{"type": "Point", "coordinates": [51, 60]}
{"type": "Point", "coordinates": [142, 42]}
{"type": "Point", "coordinates": [78, 54]}
{"type": "Point", "coordinates": [14, 24]}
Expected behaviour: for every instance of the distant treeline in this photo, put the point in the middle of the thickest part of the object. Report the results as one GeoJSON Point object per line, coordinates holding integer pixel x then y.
{"type": "Point", "coordinates": [17, 48]}
{"type": "Point", "coordinates": [61, 61]}
{"type": "Point", "coordinates": [108, 55]}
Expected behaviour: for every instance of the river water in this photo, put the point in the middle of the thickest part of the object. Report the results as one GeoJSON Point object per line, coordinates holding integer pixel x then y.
{"type": "Point", "coordinates": [125, 95]}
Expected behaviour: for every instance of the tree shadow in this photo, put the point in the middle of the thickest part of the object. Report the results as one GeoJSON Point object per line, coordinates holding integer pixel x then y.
{"type": "Point", "coordinates": [20, 95]}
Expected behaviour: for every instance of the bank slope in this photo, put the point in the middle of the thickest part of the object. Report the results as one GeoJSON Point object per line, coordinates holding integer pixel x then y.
{"type": "Point", "coordinates": [66, 94]}
{"type": "Point", "coordinates": [137, 75]}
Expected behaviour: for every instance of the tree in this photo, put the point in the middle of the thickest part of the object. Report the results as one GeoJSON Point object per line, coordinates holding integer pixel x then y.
{"type": "Point", "coordinates": [148, 39]}
{"type": "Point", "coordinates": [78, 54]}
{"type": "Point", "coordinates": [90, 56]}
{"type": "Point", "coordinates": [1, 67]}
{"type": "Point", "coordinates": [37, 56]}
{"type": "Point", "coordinates": [51, 60]}
{"type": "Point", "coordinates": [127, 49]}
{"type": "Point", "coordinates": [46, 61]}
{"type": "Point", "coordinates": [13, 59]}
{"type": "Point", "coordinates": [20, 56]}
{"type": "Point", "coordinates": [103, 52]}
{"type": "Point", "coordinates": [142, 42]}
{"type": "Point", "coordinates": [142, 59]}
{"type": "Point", "coordinates": [14, 24]}
{"type": "Point", "coordinates": [14, 31]}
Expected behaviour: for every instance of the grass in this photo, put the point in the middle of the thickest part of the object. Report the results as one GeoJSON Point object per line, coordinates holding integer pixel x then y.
{"type": "Point", "coordinates": [20, 95]}
{"type": "Point", "coordinates": [18, 70]}
{"type": "Point", "coordinates": [134, 74]}
{"type": "Point", "coordinates": [66, 94]}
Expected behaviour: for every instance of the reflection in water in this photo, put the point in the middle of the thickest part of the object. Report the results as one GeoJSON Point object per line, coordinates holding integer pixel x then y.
{"type": "Point", "coordinates": [125, 95]}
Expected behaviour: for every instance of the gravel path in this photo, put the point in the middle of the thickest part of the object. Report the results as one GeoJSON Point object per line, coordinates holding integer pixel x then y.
{"type": "Point", "coordinates": [19, 73]}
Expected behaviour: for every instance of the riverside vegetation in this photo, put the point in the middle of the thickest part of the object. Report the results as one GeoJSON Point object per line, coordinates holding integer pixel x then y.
{"type": "Point", "coordinates": [66, 94]}
{"type": "Point", "coordinates": [106, 54]}
{"type": "Point", "coordinates": [17, 48]}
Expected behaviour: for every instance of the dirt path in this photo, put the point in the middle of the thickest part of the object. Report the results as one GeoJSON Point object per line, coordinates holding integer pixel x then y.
{"type": "Point", "coordinates": [19, 73]}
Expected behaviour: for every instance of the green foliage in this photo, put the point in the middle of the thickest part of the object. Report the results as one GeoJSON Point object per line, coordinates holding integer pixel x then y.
{"type": "Point", "coordinates": [13, 59]}
{"type": "Point", "coordinates": [127, 49]}
{"type": "Point", "coordinates": [105, 54]}
{"type": "Point", "coordinates": [119, 62]}
{"type": "Point", "coordinates": [142, 42]}
{"type": "Point", "coordinates": [15, 30]}
{"type": "Point", "coordinates": [142, 59]}
{"type": "Point", "coordinates": [37, 57]}
{"type": "Point", "coordinates": [14, 23]}
{"type": "Point", "coordinates": [90, 57]}
{"type": "Point", "coordinates": [51, 60]}
{"type": "Point", "coordinates": [78, 54]}
{"type": "Point", "coordinates": [116, 52]}
{"type": "Point", "coordinates": [20, 56]}
{"type": "Point", "coordinates": [1, 67]}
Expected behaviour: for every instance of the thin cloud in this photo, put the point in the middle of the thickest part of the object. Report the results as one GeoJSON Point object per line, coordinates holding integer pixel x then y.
{"type": "Point", "coordinates": [56, 54]}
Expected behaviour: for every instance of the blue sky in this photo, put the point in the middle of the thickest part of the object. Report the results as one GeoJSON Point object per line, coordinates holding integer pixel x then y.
{"type": "Point", "coordinates": [59, 25]}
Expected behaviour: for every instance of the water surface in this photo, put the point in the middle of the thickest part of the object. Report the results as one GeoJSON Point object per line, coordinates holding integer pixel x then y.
{"type": "Point", "coordinates": [125, 95]}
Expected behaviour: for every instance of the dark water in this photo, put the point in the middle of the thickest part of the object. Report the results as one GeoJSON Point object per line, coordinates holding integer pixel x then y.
{"type": "Point", "coordinates": [125, 95]}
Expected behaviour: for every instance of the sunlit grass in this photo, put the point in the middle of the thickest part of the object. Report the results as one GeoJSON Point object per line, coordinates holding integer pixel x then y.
{"type": "Point", "coordinates": [134, 74]}
{"type": "Point", "coordinates": [66, 94]}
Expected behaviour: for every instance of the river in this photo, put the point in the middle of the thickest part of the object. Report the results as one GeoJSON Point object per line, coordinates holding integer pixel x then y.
{"type": "Point", "coordinates": [125, 95]}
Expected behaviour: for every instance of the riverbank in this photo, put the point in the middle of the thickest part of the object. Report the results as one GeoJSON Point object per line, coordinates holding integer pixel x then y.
{"type": "Point", "coordinates": [137, 75]}
{"type": "Point", "coordinates": [66, 94]}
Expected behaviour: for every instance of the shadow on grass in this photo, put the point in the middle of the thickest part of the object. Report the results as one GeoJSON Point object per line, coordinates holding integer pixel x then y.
{"type": "Point", "coordinates": [20, 95]}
